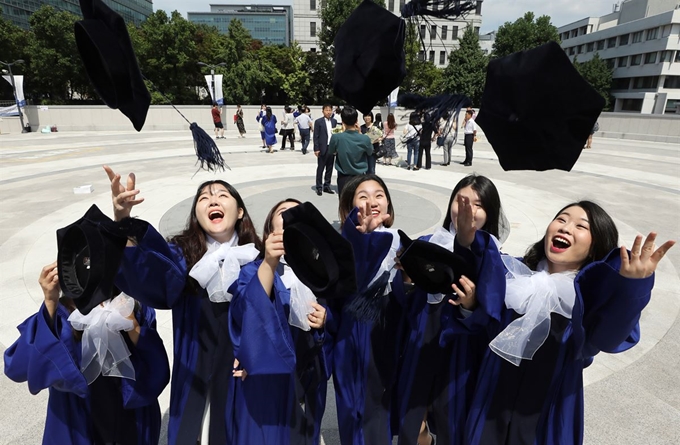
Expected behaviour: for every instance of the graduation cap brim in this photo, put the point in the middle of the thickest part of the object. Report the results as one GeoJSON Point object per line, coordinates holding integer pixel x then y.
{"type": "Point", "coordinates": [320, 257]}
{"type": "Point", "coordinates": [431, 267]}
{"type": "Point", "coordinates": [106, 51]}
{"type": "Point", "coordinates": [369, 56]}
{"type": "Point", "coordinates": [537, 111]}
{"type": "Point", "coordinates": [89, 253]}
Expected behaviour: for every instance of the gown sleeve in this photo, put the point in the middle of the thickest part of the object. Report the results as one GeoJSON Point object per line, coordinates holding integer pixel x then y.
{"type": "Point", "coordinates": [258, 326]}
{"type": "Point", "coordinates": [612, 305]}
{"type": "Point", "coordinates": [153, 272]}
{"type": "Point", "coordinates": [43, 356]}
{"type": "Point", "coordinates": [152, 369]}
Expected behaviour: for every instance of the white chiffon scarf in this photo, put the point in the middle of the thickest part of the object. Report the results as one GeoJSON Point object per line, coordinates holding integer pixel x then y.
{"type": "Point", "coordinates": [535, 295]}
{"type": "Point", "coordinates": [103, 348]}
{"type": "Point", "coordinates": [220, 267]}
{"type": "Point", "coordinates": [301, 299]}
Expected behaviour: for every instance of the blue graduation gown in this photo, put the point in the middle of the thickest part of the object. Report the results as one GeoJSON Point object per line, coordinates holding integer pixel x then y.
{"type": "Point", "coordinates": [155, 273]}
{"type": "Point", "coordinates": [50, 358]}
{"type": "Point", "coordinates": [442, 375]}
{"type": "Point", "coordinates": [285, 366]}
{"type": "Point", "coordinates": [541, 401]}
{"type": "Point", "coordinates": [365, 354]}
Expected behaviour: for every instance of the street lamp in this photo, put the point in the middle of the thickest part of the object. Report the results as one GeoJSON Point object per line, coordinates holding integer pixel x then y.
{"type": "Point", "coordinates": [212, 73]}
{"type": "Point", "coordinates": [14, 90]}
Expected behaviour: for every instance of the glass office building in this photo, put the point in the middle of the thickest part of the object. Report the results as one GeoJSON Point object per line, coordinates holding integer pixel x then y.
{"type": "Point", "coordinates": [271, 24]}
{"type": "Point", "coordinates": [18, 11]}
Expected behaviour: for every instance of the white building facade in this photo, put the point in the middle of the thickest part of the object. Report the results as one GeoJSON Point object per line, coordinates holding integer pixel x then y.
{"type": "Point", "coordinates": [640, 41]}
{"type": "Point", "coordinates": [440, 36]}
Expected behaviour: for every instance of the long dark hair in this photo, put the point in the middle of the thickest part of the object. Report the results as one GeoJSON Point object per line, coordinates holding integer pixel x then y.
{"type": "Point", "coordinates": [378, 121]}
{"type": "Point", "coordinates": [605, 236]}
{"type": "Point", "coordinates": [488, 195]}
{"type": "Point", "coordinates": [268, 112]}
{"type": "Point", "coordinates": [192, 240]}
{"type": "Point", "coordinates": [391, 122]}
{"type": "Point", "coordinates": [347, 197]}
{"type": "Point", "coordinates": [268, 222]}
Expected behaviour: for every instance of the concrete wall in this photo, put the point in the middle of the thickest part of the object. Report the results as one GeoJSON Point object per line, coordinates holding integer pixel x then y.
{"type": "Point", "coordinates": [656, 128]}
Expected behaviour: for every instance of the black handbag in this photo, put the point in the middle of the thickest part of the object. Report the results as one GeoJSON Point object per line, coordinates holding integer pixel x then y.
{"type": "Point", "coordinates": [380, 152]}
{"type": "Point", "coordinates": [440, 141]}
{"type": "Point", "coordinates": [282, 132]}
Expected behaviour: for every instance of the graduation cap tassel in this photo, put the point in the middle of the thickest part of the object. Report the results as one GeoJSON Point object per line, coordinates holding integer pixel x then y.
{"type": "Point", "coordinates": [449, 9]}
{"type": "Point", "coordinates": [369, 305]}
{"type": "Point", "coordinates": [442, 106]}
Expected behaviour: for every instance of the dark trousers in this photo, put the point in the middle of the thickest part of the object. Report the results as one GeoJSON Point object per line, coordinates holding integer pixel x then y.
{"type": "Point", "coordinates": [324, 162]}
{"type": "Point", "coordinates": [342, 180]}
{"type": "Point", "coordinates": [428, 156]}
{"type": "Point", "coordinates": [304, 137]}
{"type": "Point", "coordinates": [371, 164]}
{"type": "Point", "coordinates": [290, 134]}
{"type": "Point", "coordinates": [469, 139]}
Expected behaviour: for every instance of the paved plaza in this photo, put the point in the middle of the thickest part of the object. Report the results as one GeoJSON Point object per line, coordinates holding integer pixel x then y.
{"type": "Point", "coordinates": [631, 398]}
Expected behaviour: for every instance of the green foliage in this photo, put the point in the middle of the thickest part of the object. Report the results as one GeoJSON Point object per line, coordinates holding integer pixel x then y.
{"type": "Point", "coordinates": [320, 71]}
{"type": "Point", "coordinates": [598, 75]}
{"type": "Point", "coordinates": [525, 33]}
{"type": "Point", "coordinates": [422, 77]}
{"type": "Point", "coordinates": [466, 71]}
{"type": "Point", "coordinates": [333, 16]}
{"type": "Point", "coordinates": [13, 41]}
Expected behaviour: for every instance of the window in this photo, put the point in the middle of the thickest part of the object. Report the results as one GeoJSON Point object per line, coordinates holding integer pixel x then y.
{"type": "Point", "coordinates": [611, 43]}
{"type": "Point", "coordinates": [433, 32]}
{"type": "Point", "coordinates": [599, 45]}
{"type": "Point", "coordinates": [610, 63]}
{"type": "Point", "coordinates": [677, 56]}
{"type": "Point", "coordinates": [312, 29]}
{"type": "Point", "coordinates": [565, 36]}
{"type": "Point", "coordinates": [442, 57]}
{"type": "Point", "coordinates": [391, 6]}
{"type": "Point", "coordinates": [631, 105]}
{"type": "Point", "coordinates": [622, 62]}
{"type": "Point", "coordinates": [623, 40]}
{"type": "Point", "coordinates": [591, 47]}
{"type": "Point", "coordinates": [636, 60]}
{"type": "Point", "coordinates": [645, 83]}
{"type": "Point", "coordinates": [574, 32]}
{"type": "Point", "coordinates": [421, 56]}
{"type": "Point", "coordinates": [582, 30]}
{"type": "Point", "coordinates": [621, 83]}
{"type": "Point", "coordinates": [312, 50]}
{"type": "Point", "coordinates": [454, 32]}
{"type": "Point", "coordinates": [672, 106]}
{"type": "Point", "coordinates": [478, 11]}
{"type": "Point", "coordinates": [422, 31]}
{"type": "Point", "coordinates": [312, 5]}
{"type": "Point", "coordinates": [445, 32]}
{"type": "Point", "coordinates": [431, 58]}
{"type": "Point", "coordinates": [572, 51]}
{"type": "Point", "coordinates": [666, 31]}
{"type": "Point", "coordinates": [652, 34]}
{"type": "Point", "coordinates": [650, 58]}
{"type": "Point", "coordinates": [672, 82]}
{"type": "Point", "coordinates": [477, 30]}
{"type": "Point", "coordinates": [637, 37]}
{"type": "Point", "coordinates": [666, 56]}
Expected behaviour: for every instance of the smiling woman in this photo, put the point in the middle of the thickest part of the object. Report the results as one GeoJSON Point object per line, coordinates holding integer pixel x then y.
{"type": "Point", "coordinates": [195, 275]}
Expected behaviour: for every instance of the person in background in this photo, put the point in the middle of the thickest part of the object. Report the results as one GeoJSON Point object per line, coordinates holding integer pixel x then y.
{"type": "Point", "coordinates": [217, 120]}
{"type": "Point", "coordinates": [261, 114]}
{"type": "Point", "coordinates": [351, 148]}
{"type": "Point", "coordinates": [427, 135]}
{"type": "Point", "coordinates": [389, 141]}
{"type": "Point", "coordinates": [288, 128]}
{"type": "Point", "coordinates": [323, 130]}
{"type": "Point", "coordinates": [304, 123]}
{"type": "Point", "coordinates": [374, 134]}
{"type": "Point", "coordinates": [239, 122]}
{"type": "Point", "coordinates": [411, 137]}
{"type": "Point", "coordinates": [470, 128]}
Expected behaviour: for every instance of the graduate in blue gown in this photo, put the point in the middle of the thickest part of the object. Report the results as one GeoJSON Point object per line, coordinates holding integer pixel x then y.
{"type": "Point", "coordinates": [276, 326]}
{"type": "Point", "coordinates": [365, 351]}
{"type": "Point", "coordinates": [101, 404]}
{"type": "Point", "coordinates": [194, 275]}
{"type": "Point", "coordinates": [573, 295]}
{"type": "Point", "coordinates": [436, 381]}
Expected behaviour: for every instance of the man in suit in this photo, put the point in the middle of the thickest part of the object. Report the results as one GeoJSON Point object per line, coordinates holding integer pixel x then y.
{"type": "Point", "coordinates": [323, 130]}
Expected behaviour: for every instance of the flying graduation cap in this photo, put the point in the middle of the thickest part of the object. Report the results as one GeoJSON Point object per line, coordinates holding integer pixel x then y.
{"type": "Point", "coordinates": [106, 51]}
{"type": "Point", "coordinates": [536, 110]}
{"type": "Point", "coordinates": [369, 48]}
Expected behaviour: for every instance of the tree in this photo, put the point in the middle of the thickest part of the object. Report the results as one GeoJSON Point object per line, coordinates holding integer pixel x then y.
{"type": "Point", "coordinates": [13, 42]}
{"type": "Point", "coordinates": [333, 15]}
{"type": "Point", "coordinates": [466, 71]}
{"type": "Point", "coordinates": [320, 70]}
{"type": "Point", "coordinates": [598, 75]}
{"type": "Point", "coordinates": [422, 76]}
{"type": "Point", "coordinates": [525, 33]}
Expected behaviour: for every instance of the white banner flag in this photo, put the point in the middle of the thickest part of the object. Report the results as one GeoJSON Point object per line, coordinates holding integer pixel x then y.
{"type": "Point", "coordinates": [393, 98]}
{"type": "Point", "coordinates": [19, 85]}
{"type": "Point", "coordinates": [219, 97]}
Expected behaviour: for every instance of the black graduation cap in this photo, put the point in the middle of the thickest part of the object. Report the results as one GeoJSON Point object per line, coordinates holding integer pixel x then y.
{"type": "Point", "coordinates": [431, 267]}
{"type": "Point", "coordinates": [90, 251]}
{"type": "Point", "coordinates": [106, 50]}
{"type": "Point", "coordinates": [320, 257]}
{"type": "Point", "coordinates": [537, 111]}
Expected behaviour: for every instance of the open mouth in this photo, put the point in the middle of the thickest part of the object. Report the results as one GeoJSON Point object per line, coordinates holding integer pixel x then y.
{"type": "Point", "coordinates": [375, 212]}
{"type": "Point", "coordinates": [215, 214]}
{"type": "Point", "coordinates": [559, 244]}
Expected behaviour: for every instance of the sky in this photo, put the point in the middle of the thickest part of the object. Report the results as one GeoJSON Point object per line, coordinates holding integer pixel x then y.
{"type": "Point", "coordinates": [494, 12]}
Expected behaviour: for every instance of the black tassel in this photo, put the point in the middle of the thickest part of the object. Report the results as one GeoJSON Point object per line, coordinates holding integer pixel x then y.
{"type": "Point", "coordinates": [206, 149]}
{"type": "Point", "coordinates": [369, 306]}
{"type": "Point", "coordinates": [434, 108]}
{"type": "Point", "coordinates": [448, 9]}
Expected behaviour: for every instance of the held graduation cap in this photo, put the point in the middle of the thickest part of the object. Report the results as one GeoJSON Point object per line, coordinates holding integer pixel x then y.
{"type": "Point", "coordinates": [537, 111]}
{"type": "Point", "coordinates": [369, 49]}
{"type": "Point", "coordinates": [106, 51]}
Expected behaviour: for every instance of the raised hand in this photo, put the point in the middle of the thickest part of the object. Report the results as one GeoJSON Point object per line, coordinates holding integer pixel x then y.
{"type": "Point", "coordinates": [239, 373]}
{"type": "Point", "coordinates": [465, 222]}
{"type": "Point", "coordinates": [367, 222]}
{"type": "Point", "coordinates": [49, 282]}
{"type": "Point", "coordinates": [317, 319]}
{"type": "Point", "coordinates": [124, 197]}
{"type": "Point", "coordinates": [273, 249]}
{"type": "Point", "coordinates": [643, 258]}
{"type": "Point", "coordinates": [466, 294]}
